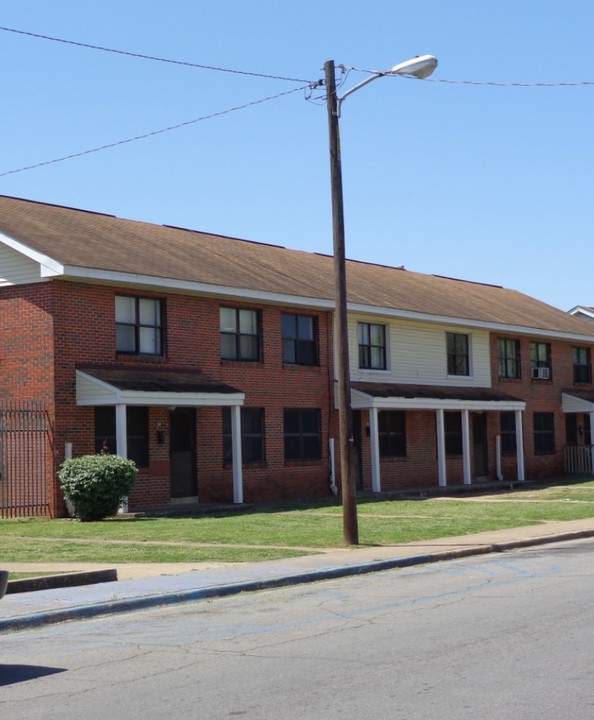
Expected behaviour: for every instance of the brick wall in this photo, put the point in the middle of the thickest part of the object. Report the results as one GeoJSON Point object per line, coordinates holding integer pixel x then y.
{"type": "Point", "coordinates": [85, 333]}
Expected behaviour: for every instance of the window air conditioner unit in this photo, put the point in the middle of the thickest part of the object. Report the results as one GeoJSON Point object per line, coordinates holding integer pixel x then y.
{"type": "Point", "coordinates": [541, 373]}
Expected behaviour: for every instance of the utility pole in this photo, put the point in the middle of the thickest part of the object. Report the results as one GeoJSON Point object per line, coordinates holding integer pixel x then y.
{"type": "Point", "coordinates": [345, 413]}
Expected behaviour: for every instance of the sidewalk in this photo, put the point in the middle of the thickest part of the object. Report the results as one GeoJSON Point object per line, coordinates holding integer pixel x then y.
{"type": "Point", "coordinates": [143, 586]}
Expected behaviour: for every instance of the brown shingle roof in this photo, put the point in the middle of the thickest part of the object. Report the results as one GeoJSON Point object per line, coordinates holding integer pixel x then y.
{"type": "Point", "coordinates": [434, 392]}
{"type": "Point", "coordinates": [157, 379]}
{"type": "Point", "coordinates": [90, 240]}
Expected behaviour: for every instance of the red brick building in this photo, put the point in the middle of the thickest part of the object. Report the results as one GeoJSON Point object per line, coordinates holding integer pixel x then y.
{"type": "Point", "coordinates": [209, 361]}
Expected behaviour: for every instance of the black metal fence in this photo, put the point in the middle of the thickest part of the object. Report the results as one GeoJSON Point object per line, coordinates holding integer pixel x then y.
{"type": "Point", "coordinates": [25, 459]}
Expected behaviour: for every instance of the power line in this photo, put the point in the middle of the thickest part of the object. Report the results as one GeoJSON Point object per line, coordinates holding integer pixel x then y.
{"type": "Point", "coordinates": [487, 83]}
{"type": "Point", "coordinates": [150, 57]}
{"type": "Point", "coordinates": [154, 132]}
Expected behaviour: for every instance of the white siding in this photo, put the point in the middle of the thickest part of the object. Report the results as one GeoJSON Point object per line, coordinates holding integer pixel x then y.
{"type": "Point", "coordinates": [16, 269]}
{"type": "Point", "coordinates": [416, 354]}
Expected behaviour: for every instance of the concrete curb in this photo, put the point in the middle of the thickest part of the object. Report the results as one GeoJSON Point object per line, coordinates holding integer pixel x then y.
{"type": "Point", "coordinates": [94, 610]}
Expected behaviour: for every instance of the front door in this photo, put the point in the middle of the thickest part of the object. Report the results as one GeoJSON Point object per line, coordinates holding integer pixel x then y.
{"type": "Point", "coordinates": [182, 453]}
{"type": "Point", "coordinates": [479, 444]}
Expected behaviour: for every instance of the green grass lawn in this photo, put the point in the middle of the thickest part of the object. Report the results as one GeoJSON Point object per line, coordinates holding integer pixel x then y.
{"type": "Point", "coordinates": [284, 530]}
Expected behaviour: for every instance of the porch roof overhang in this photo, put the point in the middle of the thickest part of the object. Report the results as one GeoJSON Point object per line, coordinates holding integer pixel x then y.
{"type": "Point", "coordinates": [577, 401]}
{"type": "Point", "coordinates": [152, 387]}
{"type": "Point", "coordinates": [388, 396]}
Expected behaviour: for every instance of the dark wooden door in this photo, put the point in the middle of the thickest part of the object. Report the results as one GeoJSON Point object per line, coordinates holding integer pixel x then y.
{"type": "Point", "coordinates": [182, 453]}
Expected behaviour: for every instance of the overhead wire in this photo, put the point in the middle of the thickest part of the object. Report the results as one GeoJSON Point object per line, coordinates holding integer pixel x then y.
{"type": "Point", "coordinates": [488, 83]}
{"type": "Point", "coordinates": [154, 58]}
{"type": "Point", "coordinates": [154, 132]}
{"type": "Point", "coordinates": [309, 86]}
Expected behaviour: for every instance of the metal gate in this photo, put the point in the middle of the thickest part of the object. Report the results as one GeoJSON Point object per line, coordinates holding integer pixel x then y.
{"type": "Point", "coordinates": [578, 459]}
{"type": "Point", "coordinates": [25, 459]}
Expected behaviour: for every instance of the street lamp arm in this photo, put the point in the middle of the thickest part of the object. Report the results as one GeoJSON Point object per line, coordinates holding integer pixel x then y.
{"type": "Point", "coordinates": [419, 67]}
{"type": "Point", "coordinates": [371, 78]}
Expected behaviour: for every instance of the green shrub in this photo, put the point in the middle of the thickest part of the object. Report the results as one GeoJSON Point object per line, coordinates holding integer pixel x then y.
{"type": "Point", "coordinates": [97, 484]}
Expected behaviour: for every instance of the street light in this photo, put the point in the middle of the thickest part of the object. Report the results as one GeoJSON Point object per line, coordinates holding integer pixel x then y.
{"type": "Point", "coordinates": [418, 67]}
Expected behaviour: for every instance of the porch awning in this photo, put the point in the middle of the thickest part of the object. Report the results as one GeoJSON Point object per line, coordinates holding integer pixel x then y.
{"type": "Point", "coordinates": [577, 401]}
{"type": "Point", "coordinates": [98, 385]}
{"type": "Point", "coordinates": [386, 396]}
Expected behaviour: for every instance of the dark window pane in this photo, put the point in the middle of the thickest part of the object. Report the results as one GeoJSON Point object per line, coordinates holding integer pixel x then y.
{"type": "Point", "coordinates": [240, 334]}
{"type": "Point", "coordinates": [228, 347]}
{"type": "Point", "coordinates": [136, 435]}
{"type": "Point", "coordinates": [302, 435]}
{"type": "Point", "coordinates": [299, 345]}
{"type": "Point", "coordinates": [508, 432]}
{"type": "Point", "coordinates": [248, 347]}
{"type": "Point", "coordinates": [544, 433]}
{"type": "Point", "coordinates": [138, 325]}
{"type": "Point", "coordinates": [392, 433]}
{"type": "Point", "coordinates": [372, 346]}
{"type": "Point", "coordinates": [453, 433]}
{"type": "Point", "coordinates": [252, 435]}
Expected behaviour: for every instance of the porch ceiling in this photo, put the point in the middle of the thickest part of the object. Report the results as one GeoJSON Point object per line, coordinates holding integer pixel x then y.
{"type": "Point", "coordinates": [431, 397]}
{"type": "Point", "coordinates": [99, 385]}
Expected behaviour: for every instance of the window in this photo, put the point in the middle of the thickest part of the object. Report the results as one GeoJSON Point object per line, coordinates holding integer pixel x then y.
{"type": "Point", "coordinates": [240, 334]}
{"type": "Point", "coordinates": [303, 436]}
{"type": "Point", "coordinates": [453, 432]}
{"type": "Point", "coordinates": [137, 433]}
{"type": "Point", "coordinates": [392, 433]}
{"type": "Point", "coordinates": [544, 433]}
{"type": "Point", "coordinates": [252, 435]}
{"type": "Point", "coordinates": [138, 325]}
{"type": "Point", "coordinates": [582, 369]}
{"type": "Point", "coordinates": [299, 339]}
{"type": "Point", "coordinates": [508, 355]}
{"type": "Point", "coordinates": [372, 346]}
{"type": "Point", "coordinates": [458, 354]}
{"type": "Point", "coordinates": [540, 360]}
{"type": "Point", "coordinates": [507, 429]}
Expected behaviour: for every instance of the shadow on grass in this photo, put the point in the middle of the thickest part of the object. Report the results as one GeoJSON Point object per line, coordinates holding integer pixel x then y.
{"type": "Point", "coordinates": [411, 495]}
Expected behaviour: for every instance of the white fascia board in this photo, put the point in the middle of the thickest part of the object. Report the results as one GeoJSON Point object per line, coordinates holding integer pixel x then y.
{"type": "Point", "coordinates": [169, 399]}
{"type": "Point", "coordinates": [468, 322]}
{"type": "Point", "coordinates": [49, 267]}
{"type": "Point", "coordinates": [580, 310]}
{"type": "Point", "coordinates": [163, 283]}
{"type": "Point", "coordinates": [572, 404]}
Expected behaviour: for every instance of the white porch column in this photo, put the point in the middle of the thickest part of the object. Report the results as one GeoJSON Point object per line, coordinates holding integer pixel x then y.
{"type": "Point", "coordinates": [591, 414]}
{"type": "Point", "coordinates": [441, 454]}
{"type": "Point", "coordinates": [520, 446]}
{"type": "Point", "coordinates": [121, 442]}
{"type": "Point", "coordinates": [466, 447]}
{"type": "Point", "coordinates": [121, 431]}
{"type": "Point", "coordinates": [236, 451]}
{"type": "Point", "coordinates": [376, 480]}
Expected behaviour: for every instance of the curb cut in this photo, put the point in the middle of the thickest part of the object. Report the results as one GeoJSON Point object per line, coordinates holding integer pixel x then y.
{"type": "Point", "coordinates": [36, 620]}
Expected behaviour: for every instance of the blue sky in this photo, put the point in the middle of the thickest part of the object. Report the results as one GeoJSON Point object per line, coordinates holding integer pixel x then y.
{"type": "Point", "coordinates": [491, 183]}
